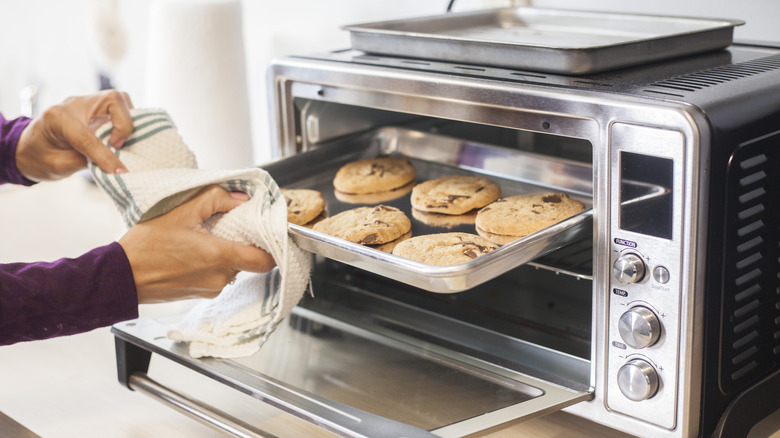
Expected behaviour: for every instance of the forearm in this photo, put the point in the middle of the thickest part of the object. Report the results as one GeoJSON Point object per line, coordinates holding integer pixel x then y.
{"type": "Point", "coordinates": [10, 131]}
{"type": "Point", "coordinates": [68, 296]}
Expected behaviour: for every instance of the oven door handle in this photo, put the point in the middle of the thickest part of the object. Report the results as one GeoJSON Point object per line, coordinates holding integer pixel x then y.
{"type": "Point", "coordinates": [202, 412]}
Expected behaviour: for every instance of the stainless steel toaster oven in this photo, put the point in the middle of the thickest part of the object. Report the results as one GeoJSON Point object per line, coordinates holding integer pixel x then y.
{"type": "Point", "coordinates": [655, 312]}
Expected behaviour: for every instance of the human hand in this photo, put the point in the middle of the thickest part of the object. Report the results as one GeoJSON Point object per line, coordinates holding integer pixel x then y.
{"type": "Point", "coordinates": [174, 257]}
{"type": "Point", "coordinates": [58, 143]}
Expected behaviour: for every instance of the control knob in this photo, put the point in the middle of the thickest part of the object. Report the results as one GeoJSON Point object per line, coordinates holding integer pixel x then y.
{"type": "Point", "coordinates": [628, 268]}
{"type": "Point", "coordinates": [639, 327]}
{"type": "Point", "coordinates": [637, 380]}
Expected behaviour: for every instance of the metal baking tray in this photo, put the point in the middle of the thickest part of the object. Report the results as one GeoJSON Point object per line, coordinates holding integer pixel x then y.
{"type": "Point", "coordinates": [546, 40]}
{"type": "Point", "coordinates": [433, 156]}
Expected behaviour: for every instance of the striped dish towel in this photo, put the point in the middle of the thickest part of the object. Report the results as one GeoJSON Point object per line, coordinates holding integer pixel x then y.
{"type": "Point", "coordinates": [163, 174]}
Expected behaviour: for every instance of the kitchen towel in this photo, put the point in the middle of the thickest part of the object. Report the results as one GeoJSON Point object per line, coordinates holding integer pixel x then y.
{"type": "Point", "coordinates": [196, 70]}
{"type": "Point", "coordinates": [162, 174]}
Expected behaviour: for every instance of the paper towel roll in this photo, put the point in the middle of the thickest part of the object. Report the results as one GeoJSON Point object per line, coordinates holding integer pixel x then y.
{"type": "Point", "coordinates": [196, 70]}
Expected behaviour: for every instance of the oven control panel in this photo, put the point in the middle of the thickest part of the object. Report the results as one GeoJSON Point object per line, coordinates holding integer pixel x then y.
{"type": "Point", "coordinates": [644, 287]}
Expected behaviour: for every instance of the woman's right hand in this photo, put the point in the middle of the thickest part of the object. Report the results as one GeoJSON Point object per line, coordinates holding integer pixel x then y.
{"type": "Point", "coordinates": [59, 142]}
{"type": "Point", "coordinates": [174, 257]}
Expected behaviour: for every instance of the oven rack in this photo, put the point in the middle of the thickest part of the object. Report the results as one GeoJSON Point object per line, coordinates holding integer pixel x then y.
{"type": "Point", "coordinates": [575, 259]}
{"type": "Point", "coordinates": [433, 156]}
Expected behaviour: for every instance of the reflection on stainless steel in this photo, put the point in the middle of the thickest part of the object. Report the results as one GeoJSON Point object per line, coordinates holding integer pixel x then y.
{"type": "Point", "coordinates": [548, 40]}
{"type": "Point", "coordinates": [378, 381]}
{"type": "Point", "coordinates": [644, 192]}
{"type": "Point", "coordinates": [433, 156]}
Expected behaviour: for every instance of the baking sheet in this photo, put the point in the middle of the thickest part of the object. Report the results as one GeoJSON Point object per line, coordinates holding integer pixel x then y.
{"type": "Point", "coordinates": [434, 156]}
{"type": "Point", "coordinates": [546, 40]}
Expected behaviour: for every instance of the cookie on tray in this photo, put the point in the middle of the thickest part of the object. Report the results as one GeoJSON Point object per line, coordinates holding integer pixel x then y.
{"type": "Point", "coordinates": [445, 220]}
{"type": "Point", "coordinates": [498, 239]}
{"type": "Point", "coordinates": [389, 246]}
{"type": "Point", "coordinates": [316, 220]}
{"type": "Point", "coordinates": [367, 225]}
{"type": "Point", "coordinates": [373, 198]}
{"type": "Point", "coordinates": [519, 216]}
{"type": "Point", "coordinates": [374, 175]}
{"type": "Point", "coordinates": [444, 248]}
{"type": "Point", "coordinates": [455, 194]}
{"type": "Point", "coordinates": [303, 205]}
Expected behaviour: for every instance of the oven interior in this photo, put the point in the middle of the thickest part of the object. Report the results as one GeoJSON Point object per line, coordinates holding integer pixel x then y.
{"type": "Point", "coordinates": [543, 305]}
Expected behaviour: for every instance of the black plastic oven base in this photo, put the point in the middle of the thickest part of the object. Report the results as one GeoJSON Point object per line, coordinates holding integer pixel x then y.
{"type": "Point", "coordinates": [130, 359]}
{"type": "Point", "coordinates": [750, 407]}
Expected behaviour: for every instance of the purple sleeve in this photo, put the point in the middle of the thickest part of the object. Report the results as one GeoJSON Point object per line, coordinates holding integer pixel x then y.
{"type": "Point", "coordinates": [68, 296]}
{"type": "Point", "coordinates": [10, 130]}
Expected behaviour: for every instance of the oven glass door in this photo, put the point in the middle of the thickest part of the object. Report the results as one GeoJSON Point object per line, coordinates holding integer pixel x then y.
{"type": "Point", "coordinates": [363, 382]}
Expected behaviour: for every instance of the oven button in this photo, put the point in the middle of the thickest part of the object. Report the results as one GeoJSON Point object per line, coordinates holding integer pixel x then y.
{"type": "Point", "coordinates": [661, 274]}
{"type": "Point", "coordinates": [639, 327]}
{"type": "Point", "coordinates": [637, 380]}
{"type": "Point", "coordinates": [628, 268]}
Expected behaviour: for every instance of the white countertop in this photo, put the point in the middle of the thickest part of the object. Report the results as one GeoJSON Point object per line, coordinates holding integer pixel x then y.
{"type": "Point", "coordinates": [67, 387]}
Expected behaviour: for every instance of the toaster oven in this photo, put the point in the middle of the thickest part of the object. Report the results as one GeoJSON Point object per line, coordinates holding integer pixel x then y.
{"type": "Point", "coordinates": [655, 312]}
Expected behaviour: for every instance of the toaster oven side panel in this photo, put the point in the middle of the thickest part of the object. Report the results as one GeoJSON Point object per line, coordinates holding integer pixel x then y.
{"type": "Point", "coordinates": [742, 301]}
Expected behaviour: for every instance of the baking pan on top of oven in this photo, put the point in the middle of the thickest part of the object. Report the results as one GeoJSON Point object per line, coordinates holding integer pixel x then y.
{"type": "Point", "coordinates": [433, 156]}
{"type": "Point", "coordinates": [546, 40]}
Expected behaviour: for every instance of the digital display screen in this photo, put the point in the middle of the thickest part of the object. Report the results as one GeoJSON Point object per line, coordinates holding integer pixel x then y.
{"type": "Point", "coordinates": [646, 195]}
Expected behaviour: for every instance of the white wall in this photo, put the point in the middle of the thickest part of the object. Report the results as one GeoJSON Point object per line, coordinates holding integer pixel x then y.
{"type": "Point", "coordinates": [49, 43]}
{"type": "Point", "coordinates": [761, 16]}
{"type": "Point", "coordinates": [295, 27]}
{"type": "Point", "coordinates": [43, 42]}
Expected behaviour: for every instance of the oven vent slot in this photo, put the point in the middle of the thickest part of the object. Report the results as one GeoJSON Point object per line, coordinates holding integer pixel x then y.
{"type": "Point", "coordinates": [715, 76]}
{"type": "Point", "coordinates": [523, 77]}
{"type": "Point", "coordinates": [750, 343]}
{"type": "Point", "coordinates": [776, 350]}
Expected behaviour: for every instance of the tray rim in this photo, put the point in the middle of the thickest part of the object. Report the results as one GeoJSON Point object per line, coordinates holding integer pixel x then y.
{"type": "Point", "coordinates": [450, 278]}
{"type": "Point", "coordinates": [372, 27]}
{"type": "Point", "coordinates": [442, 271]}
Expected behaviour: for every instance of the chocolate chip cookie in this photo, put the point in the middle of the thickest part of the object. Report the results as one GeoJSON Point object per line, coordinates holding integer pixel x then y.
{"type": "Point", "coordinates": [374, 175]}
{"type": "Point", "coordinates": [366, 225]}
{"type": "Point", "coordinates": [303, 205]}
{"type": "Point", "coordinates": [444, 248]}
{"type": "Point", "coordinates": [518, 216]}
{"type": "Point", "coordinates": [448, 221]}
{"type": "Point", "coordinates": [455, 194]}
{"type": "Point", "coordinates": [389, 246]}
{"type": "Point", "coordinates": [373, 198]}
